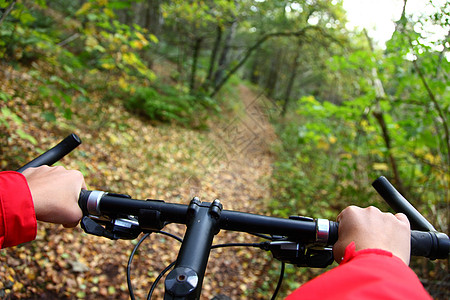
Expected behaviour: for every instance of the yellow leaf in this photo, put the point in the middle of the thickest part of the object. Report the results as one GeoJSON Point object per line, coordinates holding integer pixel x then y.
{"type": "Point", "coordinates": [309, 99]}
{"type": "Point", "coordinates": [142, 38]}
{"type": "Point", "coordinates": [346, 155]}
{"type": "Point", "coordinates": [432, 159]}
{"type": "Point", "coordinates": [31, 275]}
{"type": "Point", "coordinates": [109, 12]}
{"type": "Point", "coordinates": [113, 139]}
{"type": "Point", "coordinates": [84, 8]}
{"type": "Point", "coordinates": [107, 66]}
{"type": "Point", "coordinates": [122, 83]}
{"type": "Point", "coordinates": [323, 145]}
{"type": "Point", "coordinates": [154, 39]}
{"type": "Point", "coordinates": [130, 59]}
{"type": "Point", "coordinates": [17, 286]}
{"type": "Point", "coordinates": [136, 45]}
{"type": "Point", "coordinates": [376, 152]}
{"type": "Point", "coordinates": [380, 167]}
{"type": "Point", "coordinates": [91, 41]}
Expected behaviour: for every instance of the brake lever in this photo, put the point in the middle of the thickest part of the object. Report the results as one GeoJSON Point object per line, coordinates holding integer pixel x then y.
{"type": "Point", "coordinates": [119, 228]}
{"type": "Point", "coordinates": [300, 255]}
{"type": "Point", "coordinates": [91, 227]}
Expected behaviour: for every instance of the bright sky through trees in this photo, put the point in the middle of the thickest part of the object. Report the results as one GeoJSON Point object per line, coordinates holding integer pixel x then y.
{"type": "Point", "coordinates": [378, 17]}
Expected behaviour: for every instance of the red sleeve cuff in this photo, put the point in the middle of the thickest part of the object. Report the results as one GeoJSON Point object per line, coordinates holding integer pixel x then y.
{"type": "Point", "coordinates": [350, 252]}
{"type": "Point", "coordinates": [17, 215]}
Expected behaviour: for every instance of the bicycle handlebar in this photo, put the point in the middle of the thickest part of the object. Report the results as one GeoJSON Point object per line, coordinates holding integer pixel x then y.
{"type": "Point", "coordinates": [301, 229]}
{"type": "Point", "coordinates": [319, 232]}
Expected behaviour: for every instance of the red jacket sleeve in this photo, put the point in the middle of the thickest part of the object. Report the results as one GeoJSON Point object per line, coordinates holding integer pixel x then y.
{"type": "Point", "coordinates": [17, 216]}
{"type": "Point", "coordinates": [366, 274]}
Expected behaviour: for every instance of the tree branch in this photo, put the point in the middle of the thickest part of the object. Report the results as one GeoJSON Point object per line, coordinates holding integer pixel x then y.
{"type": "Point", "coordinates": [438, 109]}
{"type": "Point", "coordinates": [255, 46]}
{"type": "Point", "coordinates": [7, 11]}
{"type": "Point", "coordinates": [69, 39]}
{"type": "Point", "coordinates": [379, 116]}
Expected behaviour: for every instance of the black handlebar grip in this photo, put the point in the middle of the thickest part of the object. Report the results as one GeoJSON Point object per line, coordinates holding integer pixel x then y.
{"type": "Point", "coordinates": [54, 154]}
{"type": "Point", "coordinates": [433, 245]}
{"type": "Point", "coordinates": [82, 201]}
{"type": "Point", "coordinates": [333, 233]}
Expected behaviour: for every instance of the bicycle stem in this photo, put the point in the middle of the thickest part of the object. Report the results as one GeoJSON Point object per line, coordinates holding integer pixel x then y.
{"type": "Point", "coordinates": [186, 279]}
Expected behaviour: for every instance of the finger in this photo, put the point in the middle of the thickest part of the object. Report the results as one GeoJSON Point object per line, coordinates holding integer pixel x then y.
{"type": "Point", "coordinates": [373, 209]}
{"type": "Point", "coordinates": [346, 211]}
{"type": "Point", "coordinates": [402, 218]}
{"type": "Point", "coordinates": [342, 213]}
{"type": "Point", "coordinates": [83, 185]}
{"type": "Point", "coordinates": [71, 225]}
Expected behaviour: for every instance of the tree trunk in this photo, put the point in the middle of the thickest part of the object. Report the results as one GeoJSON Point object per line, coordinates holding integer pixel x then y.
{"type": "Point", "coordinates": [287, 95]}
{"type": "Point", "coordinates": [272, 78]}
{"type": "Point", "coordinates": [387, 140]}
{"type": "Point", "coordinates": [437, 107]}
{"type": "Point", "coordinates": [224, 57]}
{"type": "Point", "coordinates": [214, 51]}
{"type": "Point", "coordinates": [255, 71]}
{"type": "Point", "coordinates": [153, 19]}
{"type": "Point", "coordinates": [139, 15]}
{"type": "Point", "coordinates": [196, 51]}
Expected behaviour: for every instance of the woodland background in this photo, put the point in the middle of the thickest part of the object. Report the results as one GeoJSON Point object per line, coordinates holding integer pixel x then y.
{"type": "Point", "coordinates": [275, 107]}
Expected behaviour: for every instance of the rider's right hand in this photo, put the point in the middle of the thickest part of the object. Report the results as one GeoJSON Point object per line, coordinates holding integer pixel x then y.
{"type": "Point", "coordinates": [369, 228]}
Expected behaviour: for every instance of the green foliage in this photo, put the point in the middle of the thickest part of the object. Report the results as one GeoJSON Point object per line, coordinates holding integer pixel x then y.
{"type": "Point", "coordinates": [7, 117]}
{"type": "Point", "coordinates": [90, 39]}
{"type": "Point", "coordinates": [24, 34]}
{"type": "Point", "coordinates": [112, 45]}
{"type": "Point", "coordinates": [322, 162]}
{"type": "Point", "coordinates": [168, 104]}
{"type": "Point", "coordinates": [198, 13]}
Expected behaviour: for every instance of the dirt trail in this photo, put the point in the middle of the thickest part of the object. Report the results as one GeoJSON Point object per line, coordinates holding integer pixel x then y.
{"type": "Point", "coordinates": [240, 148]}
{"type": "Point", "coordinates": [243, 145]}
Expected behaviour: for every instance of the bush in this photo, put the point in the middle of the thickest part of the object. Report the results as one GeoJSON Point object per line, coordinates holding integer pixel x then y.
{"type": "Point", "coordinates": [167, 104]}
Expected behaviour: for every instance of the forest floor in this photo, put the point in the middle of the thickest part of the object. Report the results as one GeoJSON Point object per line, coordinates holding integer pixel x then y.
{"type": "Point", "coordinates": [124, 153]}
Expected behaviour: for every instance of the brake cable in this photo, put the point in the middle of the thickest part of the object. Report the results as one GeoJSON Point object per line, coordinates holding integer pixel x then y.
{"type": "Point", "coordinates": [130, 259]}
{"type": "Point", "coordinates": [260, 245]}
